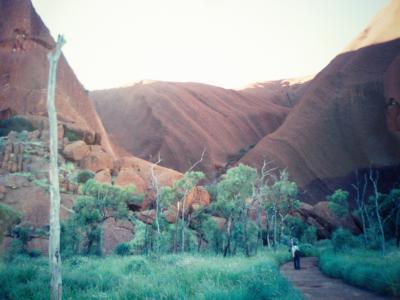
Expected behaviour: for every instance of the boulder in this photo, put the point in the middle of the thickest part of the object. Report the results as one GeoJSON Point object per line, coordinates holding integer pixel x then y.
{"type": "Point", "coordinates": [165, 176]}
{"type": "Point", "coordinates": [325, 220]}
{"type": "Point", "coordinates": [326, 217]}
{"type": "Point", "coordinates": [171, 214]}
{"type": "Point", "coordinates": [34, 204]}
{"type": "Point", "coordinates": [128, 176]}
{"type": "Point", "coordinates": [146, 216]}
{"type": "Point", "coordinates": [3, 192]}
{"type": "Point", "coordinates": [76, 150]}
{"type": "Point", "coordinates": [198, 197]}
{"type": "Point", "coordinates": [97, 160]}
{"type": "Point", "coordinates": [103, 176]}
{"type": "Point", "coordinates": [115, 233]}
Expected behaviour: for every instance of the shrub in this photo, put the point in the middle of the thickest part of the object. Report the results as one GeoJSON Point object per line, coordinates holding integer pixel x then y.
{"type": "Point", "coordinates": [122, 249]}
{"type": "Point", "coordinates": [364, 268]}
{"type": "Point", "coordinates": [34, 253]}
{"type": "Point", "coordinates": [71, 135]}
{"type": "Point", "coordinates": [16, 123]}
{"type": "Point", "coordinates": [83, 176]}
{"type": "Point", "coordinates": [309, 235]}
{"type": "Point", "coordinates": [343, 239]}
{"type": "Point", "coordinates": [295, 227]}
{"type": "Point", "coordinates": [8, 218]}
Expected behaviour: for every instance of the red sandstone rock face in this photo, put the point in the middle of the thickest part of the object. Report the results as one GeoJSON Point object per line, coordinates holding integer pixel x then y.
{"type": "Point", "coordinates": [103, 176]}
{"type": "Point", "coordinates": [165, 176]}
{"type": "Point", "coordinates": [197, 198]}
{"type": "Point", "coordinates": [116, 232]}
{"type": "Point", "coordinates": [179, 120]}
{"type": "Point", "coordinates": [128, 177]}
{"type": "Point", "coordinates": [97, 159]}
{"type": "Point", "coordinates": [341, 121]}
{"type": "Point", "coordinates": [24, 44]}
{"type": "Point", "coordinates": [76, 150]}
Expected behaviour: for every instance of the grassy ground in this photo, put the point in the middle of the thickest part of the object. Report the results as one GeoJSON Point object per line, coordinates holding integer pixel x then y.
{"type": "Point", "coordinates": [137, 277]}
{"type": "Point", "coordinates": [366, 269]}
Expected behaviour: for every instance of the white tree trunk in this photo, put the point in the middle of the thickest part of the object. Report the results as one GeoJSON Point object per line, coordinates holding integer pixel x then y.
{"type": "Point", "coordinates": [54, 238]}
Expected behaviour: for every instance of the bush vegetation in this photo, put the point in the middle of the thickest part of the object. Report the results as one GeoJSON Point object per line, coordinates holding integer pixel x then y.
{"type": "Point", "coordinates": [8, 219]}
{"type": "Point", "coordinates": [180, 276]}
{"type": "Point", "coordinates": [16, 123]}
{"type": "Point", "coordinates": [364, 268]}
{"type": "Point", "coordinates": [84, 176]}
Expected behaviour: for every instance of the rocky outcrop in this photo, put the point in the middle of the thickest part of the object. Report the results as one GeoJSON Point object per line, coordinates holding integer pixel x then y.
{"type": "Point", "coordinates": [103, 176]}
{"type": "Point", "coordinates": [129, 177]}
{"type": "Point", "coordinates": [11, 159]}
{"type": "Point", "coordinates": [76, 150]}
{"type": "Point", "coordinates": [115, 233]}
{"type": "Point", "coordinates": [179, 120]}
{"type": "Point", "coordinates": [320, 216]}
{"type": "Point", "coordinates": [197, 198]}
{"type": "Point", "coordinates": [343, 121]}
{"type": "Point", "coordinates": [97, 159]}
{"type": "Point", "coordinates": [24, 44]}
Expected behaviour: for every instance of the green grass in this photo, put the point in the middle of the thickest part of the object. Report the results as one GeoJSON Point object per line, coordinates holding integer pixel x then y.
{"type": "Point", "coordinates": [138, 277]}
{"type": "Point", "coordinates": [366, 269]}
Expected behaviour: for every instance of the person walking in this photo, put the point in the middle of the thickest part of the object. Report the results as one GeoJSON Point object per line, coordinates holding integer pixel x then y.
{"type": "Point", "coordinates": [296, 255]}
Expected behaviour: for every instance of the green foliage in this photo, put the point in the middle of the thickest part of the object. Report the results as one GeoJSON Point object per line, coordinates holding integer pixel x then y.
{"type": "Point", "coordinates": [295, 227]}
{"type": "Point", "coordinates": [188, 182]}
{"type": "Point", "coordinates": [309, 250]}
{"type": "Point", "coordinates": [278, 198]}
{"type": "Point", "coordinates": [71, 135]}
{"type": "Point", "coordinates": [343, 239]}
{"type": "Point", "coordinates": [169, 277]}
{"type": "Point", "coordinates": [310, 235]}
{"type": "Point", "coordinates": [43, 183]}
{"type": "Point", "coordinates": [213, 235]}
{"type": "Point", "coordinates": [233, 203]}
{"type": "Point", "coordinates": [16, 123]}
{"type": "Point", "coordinates": [98, 202]}
{"type": "Point", "coordinates": [8, 218]}
{"type": "Point", "coordinates": [138, 244]}
{"type": "Point", "coordinates": [83, 176]}
{"type": "Point", "coordinates": [235, 187]}
{"type": "Point", "coordinates": [366, 269]}
{"type": "Point", "coordinates": [19, 245]}
{"type": "Point", "coordinates": [123, 249]}
{"type": "Point", "coordinates": [110, 197]}
{"type": "Point", "coordinates": [338, 203]}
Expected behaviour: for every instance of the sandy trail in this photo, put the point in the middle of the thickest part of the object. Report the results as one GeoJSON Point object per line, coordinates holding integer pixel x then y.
{"type": "Point", "coordinates": [315, 285]}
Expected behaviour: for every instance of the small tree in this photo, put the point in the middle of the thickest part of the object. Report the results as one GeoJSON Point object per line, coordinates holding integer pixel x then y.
{"type": "Point", "coordinates": [310, 235]}
{"type": "Point", "coordinates": [98, 203]}
{"type": "Point", "coordinates": [232, 203]}
{"type": "Point", "coordinates": [338, 203]}
{"type": "Point", "coordinates": [182, 187]}
{"type": "Point", "coordinates": [279, 202]}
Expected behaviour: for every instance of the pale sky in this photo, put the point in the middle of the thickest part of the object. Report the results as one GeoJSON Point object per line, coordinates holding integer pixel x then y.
{"type": "Point", "coordinates": [228, 43]}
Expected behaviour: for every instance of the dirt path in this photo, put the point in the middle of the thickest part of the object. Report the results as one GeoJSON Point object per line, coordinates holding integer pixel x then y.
{"type": "Point", "coordinates": [315, 285]}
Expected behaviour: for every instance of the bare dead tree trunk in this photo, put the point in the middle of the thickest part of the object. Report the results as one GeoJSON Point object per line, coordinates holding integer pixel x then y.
{"type": "Point", "coordinates": [183, 221]}
{"type": "Point", "coordinates": [54, 238]}
{"type": "Point", "coordinates": [229, 231]}
{"type": "Point", "coordinates": [154, 183]}
{"type": "Point", "coordinates": [360, 200]}
{"type": "Point", "coordinates": [377, 206]}
{"type": "Point", "coordinates": [184, 201]}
